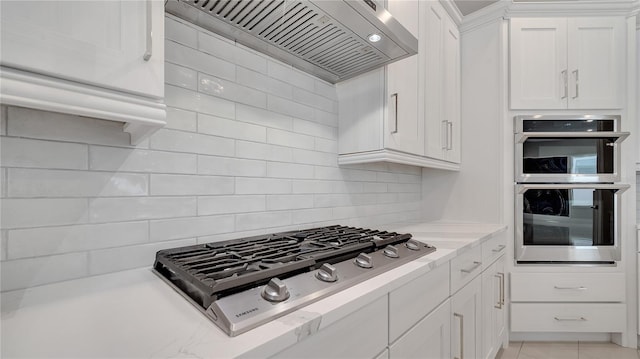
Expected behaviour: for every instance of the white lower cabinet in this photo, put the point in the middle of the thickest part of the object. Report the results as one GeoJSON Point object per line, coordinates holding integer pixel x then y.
{"type": "Point", "coordinates": [466, 317]}
{"type": "Point", "coordinates": [430, 338]}
{"type": "Point", "coordinates": [493, 309]}
{"type": "Point", "coordinates": [568, 317]}
{"type": "Point", "coordinates": [366, 330]}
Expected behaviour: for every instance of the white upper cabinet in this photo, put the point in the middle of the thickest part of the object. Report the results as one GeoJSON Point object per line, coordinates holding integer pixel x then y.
{"type": "Point", "coordinates": [410, 111]}
{"type": "Point", "coordinates": [404, 127]}
{"type": "Point", "coordinates": [560, 63]}
{"type": "Point", "coordinates": [102, 59]}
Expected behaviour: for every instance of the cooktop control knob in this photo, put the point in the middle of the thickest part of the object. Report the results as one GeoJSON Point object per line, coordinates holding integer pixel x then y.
{"type": "Point", "coordinates": [327, 273]}
{"type": "Point", "coordinates": [364, 261]}
{"type": "Point", "coordinates": [413, 245]}
{"type": "Point", "coordinates": [390, 251]}
{"type": "Point", "coordinates": [275, 291]}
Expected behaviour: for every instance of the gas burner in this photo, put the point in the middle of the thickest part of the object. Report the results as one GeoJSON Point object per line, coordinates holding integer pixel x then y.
{"type": "Point", "coordinates": [243, 283]}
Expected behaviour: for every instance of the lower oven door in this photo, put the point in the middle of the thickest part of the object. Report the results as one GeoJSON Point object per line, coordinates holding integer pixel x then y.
{"type": "Point", "coordinates": [568, 223]}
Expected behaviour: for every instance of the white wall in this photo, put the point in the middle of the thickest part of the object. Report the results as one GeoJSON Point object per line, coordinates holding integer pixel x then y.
{"type": "Point", "coordinates": [250, 148]}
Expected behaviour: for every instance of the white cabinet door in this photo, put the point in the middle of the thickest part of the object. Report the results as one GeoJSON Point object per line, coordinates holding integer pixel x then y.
{"type": "Point", "coordinates": [362, 334]}
{"type": "Point", "coordinates": [466, 321]}
{"type": "Point", "coordinates": [596, 62]}
{"type": "Point", "coordinates": [404, 129]}
{"type": "Point", "coordinates": [102, 43]}
{"type": "Point", "coordinates": [451, 72]}
{"type": "Point", "coordinates": [435, 122]}
{"type": "Point", "coordinates": [429, 339]}
{"type": "Point", "coordinates": [493, 308]}
{"type": "Point", "coordinates": [538, 63]}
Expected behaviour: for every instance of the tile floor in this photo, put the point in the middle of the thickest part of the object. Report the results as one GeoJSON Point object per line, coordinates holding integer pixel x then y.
{"type": "Point", "coordinates": [566, 350]}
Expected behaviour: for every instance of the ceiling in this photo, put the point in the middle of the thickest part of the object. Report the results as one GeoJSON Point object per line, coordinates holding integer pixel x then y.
{"type": "Point", "coordinates": [468, 6]}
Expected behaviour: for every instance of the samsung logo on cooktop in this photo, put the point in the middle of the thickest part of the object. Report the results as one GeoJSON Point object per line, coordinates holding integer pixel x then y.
{"type": "Point", "coordinates": [246, 312]}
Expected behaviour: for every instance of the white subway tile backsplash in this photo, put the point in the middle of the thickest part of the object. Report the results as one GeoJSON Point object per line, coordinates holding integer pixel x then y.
{"type": "Point", "coordinates": [245, 185]}
{"type": "Point", "coordinates": [289, 107]}
{"type": "Point", "coordinates": [31, 212]}
{"type": "Point", "coordinates": [227, 50]}
{"type": "Point", "coordinates": [250, 150]}
{"type": "Point", "coordinates": [326, 90]}
{"type": "Point", "coordinates": [22, 152]}
{"type": "Point", "coordinates": [263, 151]}
{"type": "Point", "coordinates": [315, 129]}
{"type": "Point", "coordinates": [295, 77]}
{"type": "Point", "coordinates": [289, 201]}
{"type": "Point", "coordinates": [286, 138]}
{"type": "Point", "coordinates": [177, 228]}
{"type": "Point", "coordinates": [195, 101]}
{"type": "Point", "coordinates": [36, 242]}
{"type": "Point", "coordinates": [30, 272]}
{"type": "Point", "coordinates": [177, 30]}
{"type": "Point", "coordinates": [185, 185]}
{"type": "Point", "coordinates": [202, 62]}
{"type": "Point", "coordinates": [23, 182]}
{"type": "Point", "coordinates": [121, 258]}
{"type": "Point", "coordinates": [180, 119]}
{"type": "Point", "coordinates": [24, 122]}
{"type": "Point", "coordinates": [312, 215]}
{"type": "Point", "coordinates": [231, 204]}
{"type": "Point", "coordinates": [263, 117]}
{"type": "Point", "coordinates": [230, 128]}
{"type": "Point", "coordinates": [325, 145]}
{"type": "Point", "coordinates": [231, 91]}
{"type": "Point", "coordinates": [289, 170]}
{"type": "Point", "coordinates": [228, 166]}
{"type": "Point", "coordinates": [139, 208]}
{"type": "Point", "coordinates": [315, 158]}
{"type": "Point", "coordinates": [249, 221]}
{"type": "Point", "coordinates": [181, 76]}
{"type": "Point", "coordinates": [178, 141]}
{"type": "Point", "coordinates": [313, 100]}
{"type": "Point", "coordinates": [136, 160]}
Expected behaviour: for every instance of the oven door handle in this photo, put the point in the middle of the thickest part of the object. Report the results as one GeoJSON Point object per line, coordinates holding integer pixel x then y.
{"type": "Point", "coordinates": [522, 188]}
{"type": "Point", "coordinates": [521, 137]}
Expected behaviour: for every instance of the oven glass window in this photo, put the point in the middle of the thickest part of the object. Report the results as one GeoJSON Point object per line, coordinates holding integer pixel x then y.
{"type": "Point", "coordinates": [568, 155]}
{"type": "Point", "coordinates": [569, 217]}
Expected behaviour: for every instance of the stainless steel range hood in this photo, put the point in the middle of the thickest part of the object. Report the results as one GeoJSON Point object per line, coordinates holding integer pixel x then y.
{"type": "Point", "coordinates": [327, 38]}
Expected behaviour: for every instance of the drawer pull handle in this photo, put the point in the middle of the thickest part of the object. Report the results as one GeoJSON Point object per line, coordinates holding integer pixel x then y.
{"type": "Point", "coordinates": [570, 319]}
{"type": "Point", "coordinates": [472, 268]}
{"type": "Point", "coordinates": [570, 288]}
{"type": "Point", "coordinates": [499, 249]}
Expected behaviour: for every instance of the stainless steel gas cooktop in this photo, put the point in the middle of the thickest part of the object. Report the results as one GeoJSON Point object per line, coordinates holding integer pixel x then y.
{"type": "Point", "coordinates": [243, 283]}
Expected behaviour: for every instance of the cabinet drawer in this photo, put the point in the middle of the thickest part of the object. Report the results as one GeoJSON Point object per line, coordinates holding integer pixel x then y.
{"type": "Point", "coordinates": [411, 302]}
{"type": "Point", "coordinates": [568, 317]}
{"type": "Point", "coordinates": [465, 267]}
{"type": "Point", "coordinates": [567, 287]}
{"type": "Point", "coordinates": [493, 249]}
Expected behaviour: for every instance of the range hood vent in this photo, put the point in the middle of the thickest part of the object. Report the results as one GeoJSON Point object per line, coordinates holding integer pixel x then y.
{"type": "Point", "coordinates": [327, 38]}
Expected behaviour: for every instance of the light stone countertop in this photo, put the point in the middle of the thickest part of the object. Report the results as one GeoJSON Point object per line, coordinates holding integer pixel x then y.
{"type": "Point", "coordinates": [134, 314]}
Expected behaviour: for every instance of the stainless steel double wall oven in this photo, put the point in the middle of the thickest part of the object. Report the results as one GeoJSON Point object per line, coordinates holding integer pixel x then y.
{"type": "Point", "coordinates": [568, 189]}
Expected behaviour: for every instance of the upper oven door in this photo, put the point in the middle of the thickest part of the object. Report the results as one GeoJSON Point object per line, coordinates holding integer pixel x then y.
{"type": "Point", "coordinates": [567, 149]}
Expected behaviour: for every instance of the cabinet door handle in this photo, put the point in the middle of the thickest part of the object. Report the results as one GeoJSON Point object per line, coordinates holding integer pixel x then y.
{"type": "Point", "coordinates": [444, 136]}
{"type": "Point", "coordinates": [471, 268]}
{"type": "Point", "coordinates": [570, 319]}
{"type": "Point", "coordinates": [499, 249]}
{"type": "Point", "coordinates": [149, 50]}
{"type": "Point", "coordinates": [498, 305]}
{"type": "Point", "coordinates": [563, 75]}
{"type": "Point", "coordinates": [449, 135]}
{"type": "Point", "coordinates": [577, 82]}
{"type": "Point", "coordinates": [461, 317]}
{"type": "Point", "coordinates": [502, 288]}
{"type": "Point", "coordinates": [394, 101]}
{"type": "Point", "coordinates": [570, 288]}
